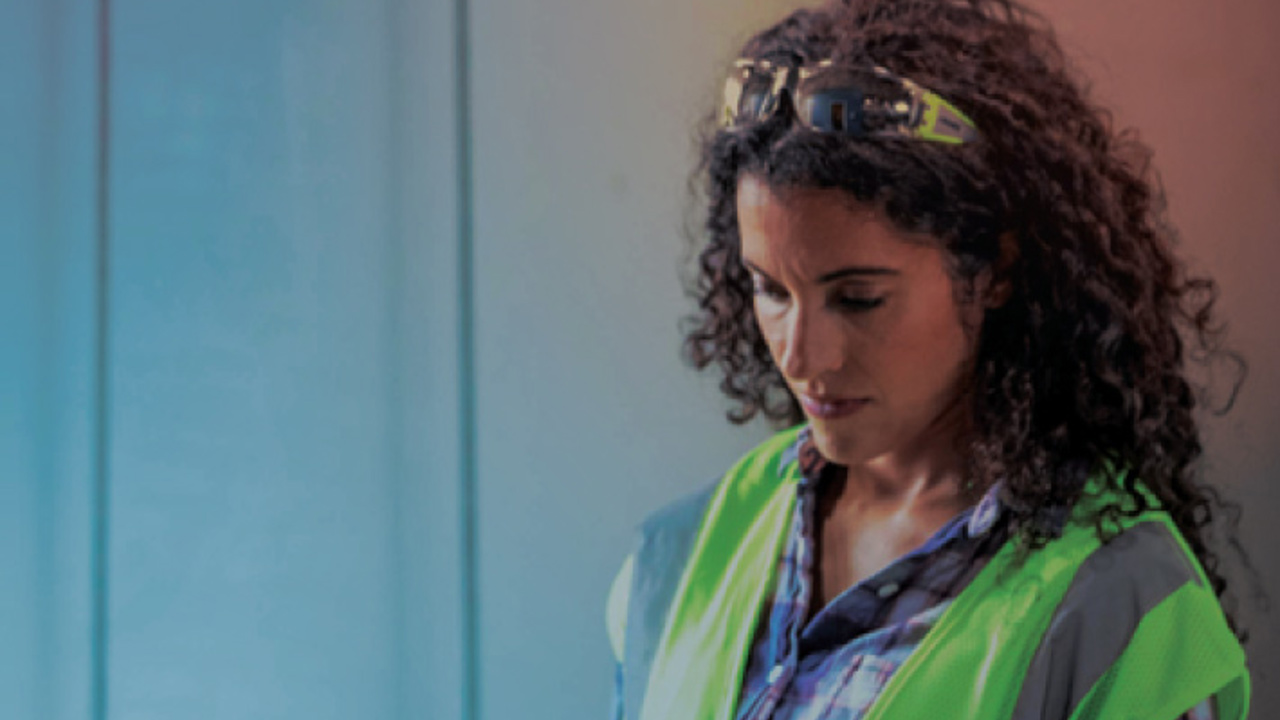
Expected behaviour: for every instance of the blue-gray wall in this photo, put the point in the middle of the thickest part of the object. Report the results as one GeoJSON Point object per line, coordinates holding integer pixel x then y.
{"type": "Point", "coordinates": [339, 356]}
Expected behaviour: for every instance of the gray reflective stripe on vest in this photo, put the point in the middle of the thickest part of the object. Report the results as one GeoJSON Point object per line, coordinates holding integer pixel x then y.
{"type": "Point", "coordinates": [666, 540]}
{"type": "Point", "coordinates": [1113, 589]}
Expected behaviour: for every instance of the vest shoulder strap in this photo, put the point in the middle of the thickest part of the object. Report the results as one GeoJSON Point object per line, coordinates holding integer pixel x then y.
{"type": "Point", "coordinates": [1104, 616]}
{"type": "Point", "coordinates": [717, 600]}
{"type": "Point", "coordinates": [1180, 652]}
{"type": "Point", "coordinates": [650, 577]}
{"type": "Point", "coordinates": [1015, 644]}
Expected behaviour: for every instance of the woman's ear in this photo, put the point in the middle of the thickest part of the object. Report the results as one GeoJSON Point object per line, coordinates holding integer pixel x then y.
{"type": "Point", "coordinates": [999, 284]}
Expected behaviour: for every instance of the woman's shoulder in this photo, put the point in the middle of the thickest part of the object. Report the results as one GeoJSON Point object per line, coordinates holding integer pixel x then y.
{"type": "Point", "coordinates": [685, 512]}
{"type": "Point", "coordinates": [649, 574]}
{"type": "Point", "coordinates": [1130, 573]}
{"type": "Point", "coordinates": [1123, 566]}
{"type": "Point", "coordinates": [1138, 602]}
{"type": "Point", "coordinates": [767, 458]}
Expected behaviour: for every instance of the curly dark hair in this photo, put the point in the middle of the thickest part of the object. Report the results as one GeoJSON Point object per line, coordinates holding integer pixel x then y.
{"type": "Point", "coordinates": [1083, 371]}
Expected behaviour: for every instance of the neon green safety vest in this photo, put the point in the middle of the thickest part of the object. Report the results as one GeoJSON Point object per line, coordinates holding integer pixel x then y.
{"type": "Point", "coordinates": [1078, 630]}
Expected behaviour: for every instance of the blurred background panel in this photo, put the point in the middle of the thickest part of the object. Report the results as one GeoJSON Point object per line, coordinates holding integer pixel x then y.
{"type": "Point", "coordinates": [244, 501]}
{"type": "Point", "coordinates": [48, 340]}
{"type": "Point", "coordinates": [253, 505]}
{"type": "Point", "coordinates": [346, 401]}
{"type": "Point", "coordinates": [282, 336]}
{"type": "Point", "coordinates": [48, 358]}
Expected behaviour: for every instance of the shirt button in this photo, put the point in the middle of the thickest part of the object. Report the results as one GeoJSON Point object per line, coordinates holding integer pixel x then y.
{"type": "Point", "coordinates": [776, 673]}
{"type": "Point", "coordinates": [887, 590]}
{"type": "Point", "coordinates": [984, 516]}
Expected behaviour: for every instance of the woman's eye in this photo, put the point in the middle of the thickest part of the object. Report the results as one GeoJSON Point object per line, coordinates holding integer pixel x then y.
{"type": "Point", "coordinates": [768, 290]}
{"type": "Point", "coordinates": [858, 303]}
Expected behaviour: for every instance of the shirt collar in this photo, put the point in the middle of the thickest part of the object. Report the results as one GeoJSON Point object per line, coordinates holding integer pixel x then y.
{"type": "Point", "coordinates": [804, 451]}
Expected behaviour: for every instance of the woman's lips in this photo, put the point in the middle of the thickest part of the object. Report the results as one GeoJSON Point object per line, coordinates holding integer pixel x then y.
{"type": "Point", "coordinates": [829, 409]}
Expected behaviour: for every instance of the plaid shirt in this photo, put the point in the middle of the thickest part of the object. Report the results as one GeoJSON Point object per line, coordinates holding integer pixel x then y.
{"type": "Point", "coordinates": [834, 666]}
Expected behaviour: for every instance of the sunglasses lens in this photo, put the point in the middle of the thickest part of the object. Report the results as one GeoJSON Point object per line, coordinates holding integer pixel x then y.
{"type": "Point", "coordinates": [837, 110]}
{"type": "Point", "coordinates": [748, 97]}
{"type": "Point", "coordinates": [850, 102]}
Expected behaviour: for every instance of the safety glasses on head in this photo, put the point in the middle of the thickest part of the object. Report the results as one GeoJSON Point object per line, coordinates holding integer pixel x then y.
{"type": "Point", "coordinates": [858, 102]}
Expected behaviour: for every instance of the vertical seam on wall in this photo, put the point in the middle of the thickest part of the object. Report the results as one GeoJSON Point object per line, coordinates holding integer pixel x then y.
{"type": "Point", "coordinates": [395, 268]}
{"type": "Point", "coordinates": [466, 369]}
{"type": "Point", "coordinates": [101, 485]}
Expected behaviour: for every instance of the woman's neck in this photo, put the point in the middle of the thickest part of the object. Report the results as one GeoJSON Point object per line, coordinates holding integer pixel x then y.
{"type": "Point", "coordinates": [927, 471]}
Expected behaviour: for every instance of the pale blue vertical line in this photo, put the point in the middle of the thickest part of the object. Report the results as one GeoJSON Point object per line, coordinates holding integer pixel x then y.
{"type": "Point", "coordinates": [395, 270]}
{"type": "Point", "coordinates": [468, 511]}
{"type": "Point", "coordinates": [102, 435]}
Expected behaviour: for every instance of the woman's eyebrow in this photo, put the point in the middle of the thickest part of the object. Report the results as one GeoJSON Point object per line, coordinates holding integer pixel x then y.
{"type": "Point", "coordinates": [851, 271]}
{"type": "Point", "coordinates": [756, 269]}
{"type": "Point", "coordinates": [856, 270]}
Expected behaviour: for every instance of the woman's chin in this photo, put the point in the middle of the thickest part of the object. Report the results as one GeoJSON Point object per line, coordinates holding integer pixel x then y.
{"type": "Point", "coordinates": [839, 445]}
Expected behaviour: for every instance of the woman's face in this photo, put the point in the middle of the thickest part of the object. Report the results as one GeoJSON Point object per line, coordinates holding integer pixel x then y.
{"type": "Point", "coordinates": [861, 319]}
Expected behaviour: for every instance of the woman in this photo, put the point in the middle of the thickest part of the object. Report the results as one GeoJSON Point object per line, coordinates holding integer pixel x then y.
{"type": "Point", "coordinates": [935, 259]}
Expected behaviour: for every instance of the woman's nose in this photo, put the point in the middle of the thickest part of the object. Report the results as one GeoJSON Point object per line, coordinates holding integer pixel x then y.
{"type": "Point", "coordinates": [810, 348]}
